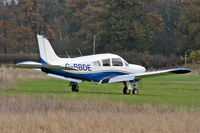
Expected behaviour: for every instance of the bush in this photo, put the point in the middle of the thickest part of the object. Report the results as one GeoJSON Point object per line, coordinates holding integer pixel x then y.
{"type": "Point", "coordinates": [145, 59]}
{"type": "Point", "coordinates": [151, 61]}
{"type": "Point", "coordinates": [16, 58]}
{"type": "Point", "coordinates": [194, 57]}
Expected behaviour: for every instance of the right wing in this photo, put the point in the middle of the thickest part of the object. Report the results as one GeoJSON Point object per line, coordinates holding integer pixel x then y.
{"type": "Point", "coordinates": [131, 77]}
{"type": "Point", "coordinates": [36, 65]}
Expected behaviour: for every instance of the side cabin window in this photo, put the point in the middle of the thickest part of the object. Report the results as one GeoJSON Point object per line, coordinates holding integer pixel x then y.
{"type": "Point", "coordinates": [96, 63]}
{"type": "Point", "coordinates": [106, 62]}
{"type": "Point", "coordinates": [117, 62]}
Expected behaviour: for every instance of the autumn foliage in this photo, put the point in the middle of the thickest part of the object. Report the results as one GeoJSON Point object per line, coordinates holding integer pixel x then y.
{"type": "Point", "coordinates": [160, 27]}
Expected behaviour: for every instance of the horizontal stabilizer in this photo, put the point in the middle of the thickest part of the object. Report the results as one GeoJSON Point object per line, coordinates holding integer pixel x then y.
{"type": "Point", "coordinates": [131, 77]}
{"type": "Point", "coordinates": [36, 65]}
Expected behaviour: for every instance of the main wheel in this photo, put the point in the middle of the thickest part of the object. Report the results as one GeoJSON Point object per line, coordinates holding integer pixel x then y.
{"type": "Point", "coordinates": [135, 91]}
{"type": "Point", "coordinates": [126, 90]}
{"type": "Point", "coordinates": [75, 88]}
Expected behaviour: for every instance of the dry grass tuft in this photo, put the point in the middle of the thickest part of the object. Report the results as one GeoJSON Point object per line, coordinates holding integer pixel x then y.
{"type": "Point", "coordinates": [194, 67]}
{"type": "Point", "coordinates": [22, 114]}
{"type": "Point", "coordinates": [196, 71]}
{"type": "Point", "coordinates": [9, 76]}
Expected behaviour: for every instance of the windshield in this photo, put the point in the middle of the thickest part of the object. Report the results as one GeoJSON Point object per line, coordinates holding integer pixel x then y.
{"type": "Point", "coordinates": [126, 63]}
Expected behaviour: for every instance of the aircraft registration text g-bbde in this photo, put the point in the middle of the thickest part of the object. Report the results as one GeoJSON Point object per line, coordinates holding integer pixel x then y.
{"type": "Point", "coordinates": [80, 67]}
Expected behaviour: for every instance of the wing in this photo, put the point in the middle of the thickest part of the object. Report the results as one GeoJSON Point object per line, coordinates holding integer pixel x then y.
{"type": "Point", "coordinates": [36, 65]}
{"type": "Point", "coordinates": [64, 78]}
{"type": "Point", "coordinates": [137, 76]}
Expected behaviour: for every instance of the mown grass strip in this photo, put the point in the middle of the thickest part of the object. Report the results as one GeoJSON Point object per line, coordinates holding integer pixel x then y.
{"type": "Point", "coordinates": [178, 90]}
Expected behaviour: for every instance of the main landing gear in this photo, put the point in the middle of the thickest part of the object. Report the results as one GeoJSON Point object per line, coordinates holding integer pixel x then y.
{"type": "Point", "coordinates": [127, 88]}
{"type": "Point", "coordinates": [75, 87]}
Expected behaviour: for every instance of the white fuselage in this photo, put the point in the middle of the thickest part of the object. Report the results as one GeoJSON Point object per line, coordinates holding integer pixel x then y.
{"type": "Point", "coordinates": [98, 63]}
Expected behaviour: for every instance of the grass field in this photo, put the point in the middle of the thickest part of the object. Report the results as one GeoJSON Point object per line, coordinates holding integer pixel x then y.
{"type": "Point", "coordinates": [35, 103]}
{"type": "Point", "coordinates": [175, 91]}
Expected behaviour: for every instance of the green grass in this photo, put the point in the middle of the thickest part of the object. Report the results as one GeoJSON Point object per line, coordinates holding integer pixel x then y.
{"type": "Point", "coordinates": [175, 91]}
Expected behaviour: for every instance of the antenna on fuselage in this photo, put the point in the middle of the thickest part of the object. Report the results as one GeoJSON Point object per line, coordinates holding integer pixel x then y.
{"type": "Point", "coordinates": [94, 43]}
{"type": "Point", "coordinates": [67, 54]}
{"type": "Point", "coordinates": [80, 52]}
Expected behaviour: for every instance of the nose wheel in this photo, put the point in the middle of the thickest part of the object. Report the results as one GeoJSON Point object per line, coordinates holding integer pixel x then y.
{"type": "Point", "coordinates": [135, 91]}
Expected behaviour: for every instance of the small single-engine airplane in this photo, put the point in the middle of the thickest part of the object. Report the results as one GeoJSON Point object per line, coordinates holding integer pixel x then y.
{"type": "Point", "coordinates": [101, 68]}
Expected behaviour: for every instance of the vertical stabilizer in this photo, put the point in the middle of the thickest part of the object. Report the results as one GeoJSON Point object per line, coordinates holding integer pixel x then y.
{"type": "Point", "coordinates": [47, 54]}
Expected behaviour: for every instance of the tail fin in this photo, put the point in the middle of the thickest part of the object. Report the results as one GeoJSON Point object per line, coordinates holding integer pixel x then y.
{"type": "Point", "coordinates": [47, 54]}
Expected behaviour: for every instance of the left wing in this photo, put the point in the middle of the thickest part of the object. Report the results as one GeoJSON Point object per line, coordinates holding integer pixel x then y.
{"type": "Point", "coordinates": [38, 66]}
{"type": "Point", "coordinates": [132, 77]}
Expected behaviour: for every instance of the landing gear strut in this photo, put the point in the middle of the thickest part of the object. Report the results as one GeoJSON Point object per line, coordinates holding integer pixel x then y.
{"type": "Point", "coordinates": [127, 87]}
{"type": "Point", "coordinates": [75, 87]}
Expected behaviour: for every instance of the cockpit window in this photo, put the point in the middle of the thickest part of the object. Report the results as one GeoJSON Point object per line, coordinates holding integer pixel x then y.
{"type": "Point", "coordinates": [96, 63]}
{"type": "Point", "coordinates": [106, 62]}
{"type": "Point", "coordinates": [117, 62]}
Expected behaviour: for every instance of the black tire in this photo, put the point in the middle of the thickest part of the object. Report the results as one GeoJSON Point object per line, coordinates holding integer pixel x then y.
{"type": "Point", "coordinates": [75, 88]}
{"type": "Point", "coordinates": [135, 91]}
{"type": "Point", "coordinates": [126, 90]}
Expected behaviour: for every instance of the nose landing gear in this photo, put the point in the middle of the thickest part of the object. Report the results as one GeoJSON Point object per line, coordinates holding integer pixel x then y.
{"type": "Point", "coordinates": [135, 91]}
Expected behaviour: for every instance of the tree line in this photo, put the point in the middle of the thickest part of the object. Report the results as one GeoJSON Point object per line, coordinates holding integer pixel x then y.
{"type": "Point", "coordinates": [154, 27]}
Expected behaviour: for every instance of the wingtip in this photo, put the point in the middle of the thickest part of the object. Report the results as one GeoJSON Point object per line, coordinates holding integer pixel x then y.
{"type": "Point", "coordinates": [181, 71]}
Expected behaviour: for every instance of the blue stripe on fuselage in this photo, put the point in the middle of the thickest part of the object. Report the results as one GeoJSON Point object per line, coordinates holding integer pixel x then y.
{"type": "Point", "coordinates": [85, 76]}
